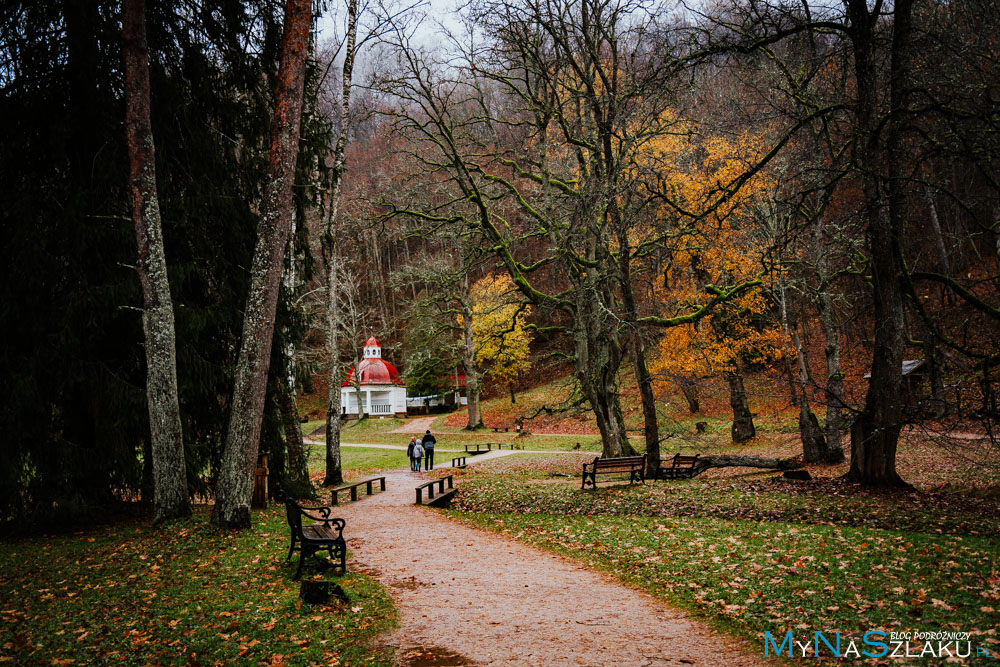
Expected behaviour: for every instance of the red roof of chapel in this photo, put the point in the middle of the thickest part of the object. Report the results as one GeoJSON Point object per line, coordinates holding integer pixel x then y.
{"type": "Point", "coordinates": [374, 370]}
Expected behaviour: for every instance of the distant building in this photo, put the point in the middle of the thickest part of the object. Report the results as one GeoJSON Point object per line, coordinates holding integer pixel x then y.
{"type": "Point", "coordinates": [452, 399]}
{"type": "Point", "coordinates": [383, 393]}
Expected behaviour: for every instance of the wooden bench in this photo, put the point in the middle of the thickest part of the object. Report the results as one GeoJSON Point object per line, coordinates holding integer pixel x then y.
{"type": "Point", "coordinates": [635, 466]}
{"type": "Point", "coordinates": [335, 493]}
{"type": "Point", "coordinates": [458, 462]}
{"type": "Point", "coordinates": [326, 535]}
{"type": "Point", "coordinates": [479, 448]}
{"type": "Point", "coordinates": [443, 497]}
{"type": "Point", "coordinates": [680, 467]}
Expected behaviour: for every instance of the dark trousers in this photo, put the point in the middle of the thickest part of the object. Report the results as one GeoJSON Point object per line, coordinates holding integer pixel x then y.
{"type": "Point", "coordinates": [429, 458]}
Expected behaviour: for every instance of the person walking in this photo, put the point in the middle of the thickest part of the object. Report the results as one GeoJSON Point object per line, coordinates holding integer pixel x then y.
{"type": "Point", "coordinates": [409, 452]}
{"type": "Point", "coordinates": [418, 453]}
{"type": "Point", "coordinates": [428, 443]}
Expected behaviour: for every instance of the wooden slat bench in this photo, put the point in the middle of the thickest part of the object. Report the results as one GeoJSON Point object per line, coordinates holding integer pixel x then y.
{"type": "Point", "coordinates": [633, 465]}
{"type": "Point", "coordinates": [443, 497]}
{"type": "Point", "coordinates": [679, 467]}
{"type": "Point", "coordinates": [458, 462]}
{"type": "Point", "coordinates": [326, 535]}
{"type": "Point", "coordinates": [478, 448]}
{"type": "Point", "coordinates": [335, 493]}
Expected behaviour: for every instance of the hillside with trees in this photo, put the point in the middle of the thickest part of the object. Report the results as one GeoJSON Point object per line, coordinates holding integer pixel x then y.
{"type": "Point", "coordinates": [593, 190]}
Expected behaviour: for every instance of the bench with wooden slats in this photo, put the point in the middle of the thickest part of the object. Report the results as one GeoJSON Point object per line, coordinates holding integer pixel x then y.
{"type": "Point", "coordinates": [443, 498]}
{"type": "Point", "coordinates": [325, 535]}
{"type": "Point", "coordinates": [679, 467]}
{"type": "Point", "coordinates": [633, 466]}
{"type": "Point", "coordinates": [353, 488]}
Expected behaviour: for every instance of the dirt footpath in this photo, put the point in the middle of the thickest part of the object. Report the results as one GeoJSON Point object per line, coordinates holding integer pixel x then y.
{"type": "Point", "coordinates": [417, 425]}
{"type": "Point", "coordinates": [470, 597]}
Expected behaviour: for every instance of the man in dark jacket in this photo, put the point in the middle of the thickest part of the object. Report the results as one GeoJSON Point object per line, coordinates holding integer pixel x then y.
{"type": "Point", "coordinates": [428, 443]}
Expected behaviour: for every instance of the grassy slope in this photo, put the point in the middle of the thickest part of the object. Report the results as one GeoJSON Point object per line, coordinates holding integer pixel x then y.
{"type": "Point", "coordinates": [183, 594]}
{"type": "Point", "coordinates": [753, 553]}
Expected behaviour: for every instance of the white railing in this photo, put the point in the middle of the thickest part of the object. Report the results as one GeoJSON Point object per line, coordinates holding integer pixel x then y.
{"type": "Point", "coordinates": [380, 409]}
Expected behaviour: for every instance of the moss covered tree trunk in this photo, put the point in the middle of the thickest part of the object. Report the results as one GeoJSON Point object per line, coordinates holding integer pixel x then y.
{"type": "Point", "coordinates": [834, 390]}
{"type": "Point", "coordinates": [469, 361]}
{"type": "Point", "coordinates": [335, 374]}
{"type": "Point", "coordinates": [598, 358]}
{"type": "Point", "coordinates": [170, 492]}
{"type": "Point", "coordinates": [743, 428]}
{"type": "Point", "coordinates": [297, 471]}
{"type": "Point", "coordinates": [334, 315]}
{"type": "Point", "coordinates": [232, 502]}
{"type": "Point", "coordinates": [689, 389]}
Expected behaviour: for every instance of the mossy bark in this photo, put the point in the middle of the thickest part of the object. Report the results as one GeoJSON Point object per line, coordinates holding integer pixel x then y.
{"type": "Point", "coordinates": [743, 428]}
{"type": "Point", "coordinates": [232, 501]}
{"type": "Point", "coordinates": [170, 493]}
{"type": "Point", "coordinates": [469, 361]}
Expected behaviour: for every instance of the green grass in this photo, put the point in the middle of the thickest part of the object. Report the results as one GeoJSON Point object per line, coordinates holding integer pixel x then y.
{"type": "Point", "coordinates": [455, 438]}
{"type": "Point", "coordinates": [749, 577]}
{"type": "Point", "coordinates": [358, 461]}
{"type": "Point", "coordinates": [526, 486]}
{"type": "Point", "coordinates": [753, 553]}
{"type": "Point", "coordinates": [182, 594]}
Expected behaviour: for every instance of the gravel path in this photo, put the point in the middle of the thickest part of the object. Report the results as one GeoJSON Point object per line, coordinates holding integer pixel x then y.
{"type": "Point", "coordinates": [417, 425]}
{"type": "Point", "coordinates": [471, 597]}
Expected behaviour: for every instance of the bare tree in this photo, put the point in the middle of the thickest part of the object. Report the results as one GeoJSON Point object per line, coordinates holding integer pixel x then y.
{"type": "Point", "coordinates": [538, 132]}
{"type": "Point", "coordinates": [232, 504]}
{"type": "Point", "coordinates": [170, 493]}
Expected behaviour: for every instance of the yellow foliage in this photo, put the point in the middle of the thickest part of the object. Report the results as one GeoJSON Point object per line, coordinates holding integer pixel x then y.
{"type": "Point", "coordinates": [717, 245]}
{"type": "Point", "coordinates": [502, 344]}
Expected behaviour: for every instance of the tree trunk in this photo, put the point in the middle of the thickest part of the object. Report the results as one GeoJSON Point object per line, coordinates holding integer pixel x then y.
{"type": "Point", "coordinates": [743, 428]}
{"type": "Point", "coordinates": [232, 502]}
{"type": "Point", "coordinates": [738, 461]}
{"type": "Point", "coordinates": [834, 390]}
{"type": "Point", "coordinates": [597, 361]}
{"type": "Point", "coordinates": [689, 389]}
{"type": "Point", "coordinates": [469, 360]}
{"type": "Point", "coordinates": [790, 376]}
{"type": "Point", "coordinates": [297, 472]}
{"type": "Point", "coordinates": [815, 447]}
{"type": "Point", "coordinates": [938, 406]}
{"type": "Point", "coordinates": [335, 370]}
{"type": "Point", "coordinates": [650, 422]}
{"type": "Point", "coordinates": [875, 433]}
{"type": "Point", "coordinates": [334, 467]}
{"type": "Point", "coordinates": [170, 490]}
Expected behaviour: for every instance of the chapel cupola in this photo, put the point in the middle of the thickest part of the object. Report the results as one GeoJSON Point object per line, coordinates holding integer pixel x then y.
{"type": "Point", "coordinates": [372, 349]}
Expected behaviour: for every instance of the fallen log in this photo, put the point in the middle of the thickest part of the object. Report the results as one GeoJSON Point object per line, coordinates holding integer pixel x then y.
{"type": "Point", "coordinates": [738, 461]}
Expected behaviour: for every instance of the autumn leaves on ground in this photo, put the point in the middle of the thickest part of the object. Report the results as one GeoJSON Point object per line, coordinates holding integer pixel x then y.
{"type": "Point", "coordinates": [745, 550]}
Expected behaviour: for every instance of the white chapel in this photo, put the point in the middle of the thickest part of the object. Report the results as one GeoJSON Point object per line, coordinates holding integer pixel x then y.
{"type": "Point", "coordinates": [383, 393]}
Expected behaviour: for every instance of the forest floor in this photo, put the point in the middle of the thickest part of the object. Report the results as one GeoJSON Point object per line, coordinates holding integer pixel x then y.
{"type": "Point", "coordinates": [470, 596]}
